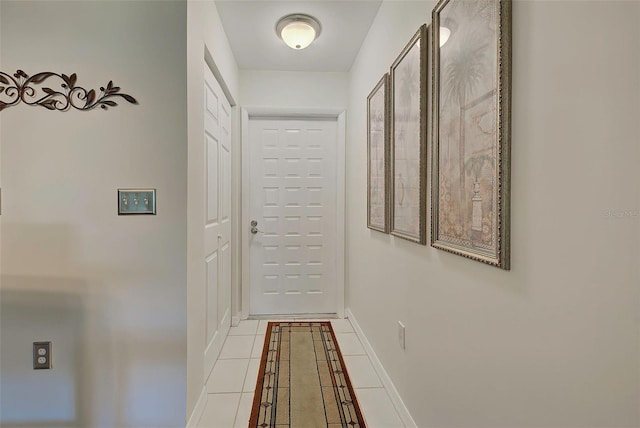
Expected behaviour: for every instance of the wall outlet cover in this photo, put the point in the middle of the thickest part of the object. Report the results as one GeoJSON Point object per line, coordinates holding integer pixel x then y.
{"type": "Point", "coordinates": [41, 355]}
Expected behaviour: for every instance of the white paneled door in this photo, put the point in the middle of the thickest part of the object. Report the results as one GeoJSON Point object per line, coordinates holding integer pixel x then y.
{"type": "Point", "coordinates": [293, 200]}
{"type": "Point", "coordinates": [217, 227]}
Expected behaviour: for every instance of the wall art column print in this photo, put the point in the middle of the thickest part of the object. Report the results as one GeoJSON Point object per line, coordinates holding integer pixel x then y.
{"type": "Point", "coordinates": [378, 156]}
{"type": "Point", "coordinates": [409, 152]}
{"type": "Point", "coordinates": [471, 132]}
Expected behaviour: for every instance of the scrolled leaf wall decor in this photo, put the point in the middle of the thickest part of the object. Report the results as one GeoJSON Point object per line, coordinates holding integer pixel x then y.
{"type": "Point", "coordinates": [20, 87]}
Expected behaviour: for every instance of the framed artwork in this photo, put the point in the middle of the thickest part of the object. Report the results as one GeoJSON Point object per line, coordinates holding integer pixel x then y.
{"type": "Point", "coordinates": [408, 78]}
{"type": "Point", "coordinates": [472, 129]}
{"type": "Point", "coordinates": [378, 157]}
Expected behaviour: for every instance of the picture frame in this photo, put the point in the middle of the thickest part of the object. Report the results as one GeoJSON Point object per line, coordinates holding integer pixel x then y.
{"type": "Point", "coordinates": [378, 156]}
{"type": "Point", "coordinates": [408, 92]}
{"type": "Point", "coordinates": [471, 140]}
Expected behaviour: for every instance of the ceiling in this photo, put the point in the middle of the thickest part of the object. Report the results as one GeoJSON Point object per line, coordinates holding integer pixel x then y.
{"type": "Point", "coordinates": [250, 27]}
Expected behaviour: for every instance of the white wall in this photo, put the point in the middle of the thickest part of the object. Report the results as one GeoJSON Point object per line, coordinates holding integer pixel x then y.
{"type": "Point", "coordinates": [205, 29]}
{"type": "Point", "coordinates": [303, 91]}
{"type": "Point", "coordinates": [108, 290]}
{"type": "Point", "coordinates": [554, 342]}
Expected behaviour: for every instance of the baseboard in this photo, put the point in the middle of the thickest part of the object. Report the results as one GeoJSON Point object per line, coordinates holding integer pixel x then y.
{"type": "Point", "coordinates": [198, 410]}
{"type": "Point", "coordinates": [212, 351]}
{"type": "Point", "coordinates": [306, 317]}
{"type": "Point", "coordinates": [384, 377]}
{"type": "Point", "coordinates": [235, 320]}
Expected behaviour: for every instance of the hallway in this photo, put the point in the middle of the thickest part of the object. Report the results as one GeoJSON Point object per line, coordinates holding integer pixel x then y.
{"type": "Point", "coordinates": [148, 314]}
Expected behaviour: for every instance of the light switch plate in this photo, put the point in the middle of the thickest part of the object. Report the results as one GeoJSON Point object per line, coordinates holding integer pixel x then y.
{"type": "Point", "coordinates": [136, 201]}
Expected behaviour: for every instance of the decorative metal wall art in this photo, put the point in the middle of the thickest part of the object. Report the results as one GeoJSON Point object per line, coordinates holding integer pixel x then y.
{"type": "Point", "coordinates": [472, 129]}
{"type": "Point", "coordinates": [20, 87]}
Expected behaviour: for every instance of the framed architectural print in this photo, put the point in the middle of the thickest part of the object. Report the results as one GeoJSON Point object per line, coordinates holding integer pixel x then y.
{"type": "Point", "coordinates": [472, 129]}
{"type": "Point", "coordinates": [408, 78]}
{"type": "Point", "coordinates": [378, 157]}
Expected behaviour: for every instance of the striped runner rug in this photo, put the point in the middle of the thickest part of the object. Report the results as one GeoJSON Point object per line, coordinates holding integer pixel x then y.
{"type": "Point", "coordinates": [303, 381]}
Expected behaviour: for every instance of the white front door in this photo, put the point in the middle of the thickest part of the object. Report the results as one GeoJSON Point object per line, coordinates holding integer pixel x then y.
{"type": "Point", "coordinates": [293, 198]}
{"type": "Point", "coordinates": [217, 227]}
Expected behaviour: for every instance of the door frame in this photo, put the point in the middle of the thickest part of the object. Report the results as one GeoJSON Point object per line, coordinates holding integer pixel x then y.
{"type": "Point", "coordinates": [246, 113]}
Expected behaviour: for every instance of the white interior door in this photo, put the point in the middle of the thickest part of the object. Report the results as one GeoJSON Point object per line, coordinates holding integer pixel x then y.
{"type": "Point", "coordinates": [217, 228]}
{"type": "Point", "coordinates": [293, 190]}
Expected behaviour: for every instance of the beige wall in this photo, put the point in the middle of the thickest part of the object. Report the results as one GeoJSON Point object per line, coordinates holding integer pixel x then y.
{"type": "Point", "coordinates": [108, 290]}
{"type": "Point", "coordinates": [205, 29]}
{"type": "Point", "coordinates": [294, 89]}
{"type": "Point", "coordinates": [553, 342]}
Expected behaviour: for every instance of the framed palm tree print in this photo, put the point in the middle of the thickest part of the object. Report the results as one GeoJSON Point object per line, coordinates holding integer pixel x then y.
{"type": "Point", "coordinates": [409, 140]}
{"type": "Point", "coordinates": [378, 156]}
{"type": "Point", "coordinates": [471, 46]}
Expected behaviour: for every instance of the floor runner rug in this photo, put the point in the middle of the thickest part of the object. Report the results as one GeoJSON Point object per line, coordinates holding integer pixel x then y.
{"type": "Point", "coordinates": [303, 381]}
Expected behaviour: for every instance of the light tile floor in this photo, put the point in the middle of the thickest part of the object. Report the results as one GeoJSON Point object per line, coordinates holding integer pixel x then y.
{"type": "Point", "coordinates": [233, 379]}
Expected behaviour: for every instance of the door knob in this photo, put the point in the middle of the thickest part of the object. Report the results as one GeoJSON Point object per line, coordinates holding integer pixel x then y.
{"type": "Point", "coordinates": [254, 227]}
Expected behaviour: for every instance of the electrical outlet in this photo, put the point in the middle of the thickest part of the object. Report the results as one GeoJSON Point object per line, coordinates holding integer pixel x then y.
{"type": "Point", "coordinates": [401, 335]}
{"type": "Point", "coordinates": [41, 355]}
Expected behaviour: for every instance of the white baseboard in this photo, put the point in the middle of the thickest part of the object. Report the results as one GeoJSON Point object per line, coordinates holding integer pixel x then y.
{"type": "Point", "coordinates": [212, 351]}
{"type": "Point", "coordinates": [235, 320]}
{"type": "Point", "coordinates": [198, 410]}
{"type": "Point", "coordinates": [384, 377]}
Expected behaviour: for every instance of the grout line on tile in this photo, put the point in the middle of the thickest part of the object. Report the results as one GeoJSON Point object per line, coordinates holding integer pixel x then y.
{"type": "Point", "coordinates": [368, 387]}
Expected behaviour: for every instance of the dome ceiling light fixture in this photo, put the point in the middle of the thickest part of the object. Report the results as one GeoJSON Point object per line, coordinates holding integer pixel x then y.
{"type": "Point", "coordinates": [298, 30]}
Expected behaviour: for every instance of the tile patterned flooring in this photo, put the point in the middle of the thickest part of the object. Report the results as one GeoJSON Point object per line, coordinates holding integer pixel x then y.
{"type": "Point", "coordinates": [233, 379]}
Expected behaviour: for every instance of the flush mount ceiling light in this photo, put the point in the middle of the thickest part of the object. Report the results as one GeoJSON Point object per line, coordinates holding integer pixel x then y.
{"type": "Point", "coordinates": [298, 30]}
